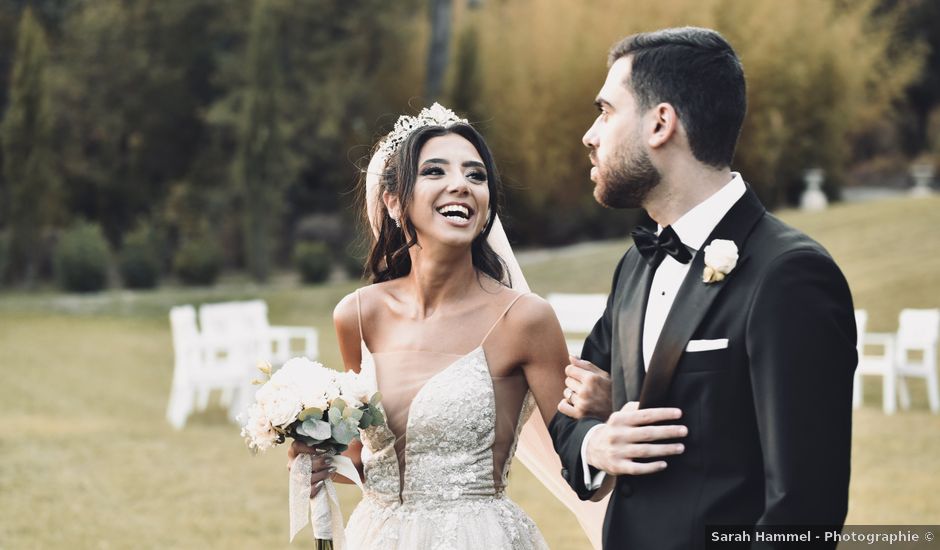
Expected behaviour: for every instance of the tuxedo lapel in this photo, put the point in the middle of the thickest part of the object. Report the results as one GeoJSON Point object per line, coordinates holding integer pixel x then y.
{"type": "Point", "coordinates": [627, 379]}
{"type": "Point", "coordinates": [694, 300]}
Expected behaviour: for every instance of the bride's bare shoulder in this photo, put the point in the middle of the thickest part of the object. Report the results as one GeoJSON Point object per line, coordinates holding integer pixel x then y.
{"type": "Point", "coordinates": [532, 312]}
{"type": "Point", "coordinates": [530, 334]}
{"type": "Point", "coordinates": [530, 304]}
{"type": "Point", "coordinates": [361, 301]}
{"type": "Point", "coordinates": [346, 311]}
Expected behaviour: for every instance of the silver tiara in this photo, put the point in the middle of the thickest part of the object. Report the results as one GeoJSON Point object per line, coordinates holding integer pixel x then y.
{"type": "Point", "coordinates": [435, 115]}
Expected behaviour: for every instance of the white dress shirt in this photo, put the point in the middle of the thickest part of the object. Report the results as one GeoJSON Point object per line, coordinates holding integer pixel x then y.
{"type": "Point", "coordinates": [692, 228]}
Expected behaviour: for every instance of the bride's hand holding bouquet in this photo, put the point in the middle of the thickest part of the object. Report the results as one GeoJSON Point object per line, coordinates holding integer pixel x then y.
{"type": "Point", "coordinates": [323, 409]}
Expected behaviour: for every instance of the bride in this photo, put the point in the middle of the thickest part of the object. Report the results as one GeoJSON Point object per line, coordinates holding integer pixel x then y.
{"type": "Point", "coordinates": [460, 356]}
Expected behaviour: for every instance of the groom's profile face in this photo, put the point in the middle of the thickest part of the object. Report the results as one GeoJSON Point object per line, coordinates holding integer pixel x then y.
{"type": "Point", "coordinates": [623, 173]}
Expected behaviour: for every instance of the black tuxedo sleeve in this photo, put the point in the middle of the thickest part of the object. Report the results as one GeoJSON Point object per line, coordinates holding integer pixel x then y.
{"type": "Point", "coordinates": [568, 433]}
{"type": "Point", "coordinates": [801, 343]}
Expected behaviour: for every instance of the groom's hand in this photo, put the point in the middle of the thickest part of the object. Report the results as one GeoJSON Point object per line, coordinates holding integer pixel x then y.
{"type": "Point", "coordinates": [629, 434]}
{"type": "Point", "coordinates": [587, 391]}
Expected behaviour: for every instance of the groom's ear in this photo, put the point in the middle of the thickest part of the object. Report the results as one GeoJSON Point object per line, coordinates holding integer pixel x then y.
{"type": "Point", "coordinates": [392, 204]}
{"type": "Point", "coordinates": [663, 125]}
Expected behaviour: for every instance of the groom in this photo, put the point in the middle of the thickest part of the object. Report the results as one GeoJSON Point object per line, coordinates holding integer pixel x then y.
{"type": "Point", "coordinates": [729, 337]}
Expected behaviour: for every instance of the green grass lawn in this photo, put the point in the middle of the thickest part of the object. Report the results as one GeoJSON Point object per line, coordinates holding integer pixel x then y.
{"type": "Point", "coordinates": [87, 460]}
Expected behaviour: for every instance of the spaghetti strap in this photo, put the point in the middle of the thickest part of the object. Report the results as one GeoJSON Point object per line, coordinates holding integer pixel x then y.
{"type": "Point", "coordinates": [359, 315]}
{"type": "Point", "coordinates": [503, 314]}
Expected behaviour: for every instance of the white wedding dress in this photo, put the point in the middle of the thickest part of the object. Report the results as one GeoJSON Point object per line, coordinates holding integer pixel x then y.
{"type": "Point", "coordinates": [435, 476]}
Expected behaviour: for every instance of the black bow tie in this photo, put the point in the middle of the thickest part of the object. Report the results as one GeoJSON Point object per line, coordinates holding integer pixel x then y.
{"type": "Point", "coordinates": [654, 248]}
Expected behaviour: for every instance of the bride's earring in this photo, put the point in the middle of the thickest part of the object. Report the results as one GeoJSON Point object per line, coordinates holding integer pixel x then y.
{"type": "Point", "coordinates": [396, 220]}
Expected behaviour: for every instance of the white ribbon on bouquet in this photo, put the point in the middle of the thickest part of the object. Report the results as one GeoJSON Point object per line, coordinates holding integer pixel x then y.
{"type": "Point", "coordinates": [324, 511]}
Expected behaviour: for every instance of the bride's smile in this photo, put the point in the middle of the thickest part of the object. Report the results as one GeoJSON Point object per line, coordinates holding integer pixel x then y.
{"type": "Point", "coordinates": [456, 213]}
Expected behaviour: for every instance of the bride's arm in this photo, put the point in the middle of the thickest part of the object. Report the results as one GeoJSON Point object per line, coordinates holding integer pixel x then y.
{"type": "Point", "coordinates": [547, 363]}
{"type": "Point", "coordinates": [346, 324]}
{"type": "Point", "coordinates": [545, 366]}
{"type": "Point", "coordinates": [592, 383]}
{"type": "Point", "coordinates": [543, 351]}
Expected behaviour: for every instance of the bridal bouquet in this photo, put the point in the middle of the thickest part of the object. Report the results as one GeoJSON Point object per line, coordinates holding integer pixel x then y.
{"type": "Point", "coordinates": [321, 408]}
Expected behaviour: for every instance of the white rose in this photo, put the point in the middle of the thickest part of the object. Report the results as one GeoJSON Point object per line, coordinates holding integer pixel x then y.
{"type": "Point", "coordinates": [315, 400]}
{"type": "Point", "coordinates": [353, 390]}
{"type": "Point", "coordinates": [311, 381]}
{"type": "Point", "coordinates": [319, 386]}
{"type": "Point", "coordinates": [721, 256]}
{"type": "Point", "coordinates": [294, 370]}
{"type": "Point", "coordinates": [332, 390]}
{"type": "Point", "coordinates": [281, 404]}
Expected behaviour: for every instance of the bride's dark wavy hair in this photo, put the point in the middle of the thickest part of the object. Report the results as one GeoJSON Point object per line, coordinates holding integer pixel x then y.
{"type": "Point", "coordinates": [388, 256]}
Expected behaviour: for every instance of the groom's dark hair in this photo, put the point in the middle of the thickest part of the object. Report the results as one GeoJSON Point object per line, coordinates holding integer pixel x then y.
{"type": "Point", "coordinates": [697, 72]}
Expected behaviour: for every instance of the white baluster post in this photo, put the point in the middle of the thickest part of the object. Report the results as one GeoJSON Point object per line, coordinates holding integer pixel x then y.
{"type": "Point", "coordinates": [813, 198]}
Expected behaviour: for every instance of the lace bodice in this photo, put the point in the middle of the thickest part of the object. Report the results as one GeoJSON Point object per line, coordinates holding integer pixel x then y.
{"type": "Point", "coordinates": [449, 437]}
{"type": "Point", "coordinates": [435, 474]}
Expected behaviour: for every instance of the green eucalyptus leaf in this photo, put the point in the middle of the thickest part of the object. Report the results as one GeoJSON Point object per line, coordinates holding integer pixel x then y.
{"type": "Point", "coordinates": [378, 418]}
{"type": "Point", "coordinates": [345, 431]}
{"type": "Point", "coordinates": [310, 412]}
{"type": "Point", "coordinates": [335, 414]}
{"type": "Point", "coordinates": [315, 428]}
{"type": "Point", "coordinates": [376, 397]}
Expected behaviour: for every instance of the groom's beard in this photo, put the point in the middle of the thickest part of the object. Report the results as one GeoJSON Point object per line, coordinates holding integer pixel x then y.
{"type": "Point", "coordinates": [627, 180]}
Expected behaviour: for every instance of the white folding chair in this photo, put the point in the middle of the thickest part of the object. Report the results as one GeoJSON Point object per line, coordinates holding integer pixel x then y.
{"type": "Point", "coordinates": [239, 336]}
{"type": "Point", "coordinates": [878, 364]}
{"type": "Point", "coordinates": [235, 336]}
{"type": "Point", "coordinates": [187, 355]}
{"type": "Point", "coordinates": [918, 331]}
{"type": "Point", "coordinates": [282, 339]}
{"type": "Point", "coordinates": [194, 375]}
{"type": "Point", "coordinates": [577, 313]}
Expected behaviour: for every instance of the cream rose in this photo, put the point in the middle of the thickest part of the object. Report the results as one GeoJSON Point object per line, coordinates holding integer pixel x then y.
{"type": "Point", "coordinates": [258, 431]}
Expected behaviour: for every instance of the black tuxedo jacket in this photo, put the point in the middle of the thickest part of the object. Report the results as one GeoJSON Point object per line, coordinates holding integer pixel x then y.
{"type": "Point", "coordinates": [769, 417]}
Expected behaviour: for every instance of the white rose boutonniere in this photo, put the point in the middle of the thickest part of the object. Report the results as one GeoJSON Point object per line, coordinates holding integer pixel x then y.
{"type": "Point", "coordinates": [720, 258]}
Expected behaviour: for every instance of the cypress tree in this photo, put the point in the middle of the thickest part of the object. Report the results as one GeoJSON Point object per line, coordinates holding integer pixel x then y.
{"type": "Point", "coordinates": [468, 78]}
{"type": "Point", "coordinates": [260, 163]}
{"type": "Point", "coordinates": [33, 195]}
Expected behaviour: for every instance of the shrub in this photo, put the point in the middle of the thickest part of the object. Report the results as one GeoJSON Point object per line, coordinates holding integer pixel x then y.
{"type": "Point", "coordinates": [198, 262]}
{"type": "Point", "coordinates": [354, 266]}
{"type": "Point", "coordinates": [354, 259]}
{"type": "Point", "coordinates": [4, 255]}
{"type": "Point", "coordinates": [80, 259]}
{"type": "Point", "coordinates": [313, 260]}
{"type": "Point", "coordinates": [330, 229]}
{"type": "Point", "coordinates": [139, 260]}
